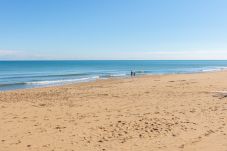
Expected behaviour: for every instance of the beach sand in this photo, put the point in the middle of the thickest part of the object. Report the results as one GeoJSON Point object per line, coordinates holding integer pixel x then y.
{"type": "Point", "coordinates": [185, 112]}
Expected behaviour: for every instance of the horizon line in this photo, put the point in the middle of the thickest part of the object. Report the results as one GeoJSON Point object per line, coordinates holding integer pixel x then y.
{"type": "Point", "coordinates": [114, 60]}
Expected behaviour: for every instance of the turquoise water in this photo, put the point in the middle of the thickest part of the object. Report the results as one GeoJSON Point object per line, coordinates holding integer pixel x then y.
{"type": "Point", "coordinates": [28, 74]}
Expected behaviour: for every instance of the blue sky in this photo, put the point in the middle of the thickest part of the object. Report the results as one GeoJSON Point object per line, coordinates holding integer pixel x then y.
{"type": "Point", "coordinates": [113, 29]}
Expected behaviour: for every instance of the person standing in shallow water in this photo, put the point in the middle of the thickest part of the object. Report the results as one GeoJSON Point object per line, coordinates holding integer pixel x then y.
{"type": "Point", "coordinates": [133, 74]}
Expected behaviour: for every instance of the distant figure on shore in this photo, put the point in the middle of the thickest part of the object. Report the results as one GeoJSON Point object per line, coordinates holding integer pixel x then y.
{"type": "Point", "coordinates": [133, 74]}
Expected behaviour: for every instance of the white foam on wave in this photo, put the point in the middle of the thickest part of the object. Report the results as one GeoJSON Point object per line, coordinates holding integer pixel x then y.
{"type": "Point", "coordinates": [214, 69]}
{"type": "Point", "coordinates": [118, 75]}
{"type": "Point", "coordinates": [52, 82]}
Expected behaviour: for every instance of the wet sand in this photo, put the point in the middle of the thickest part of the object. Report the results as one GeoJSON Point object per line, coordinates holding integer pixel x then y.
{"type": "Point", "coordinates": [186, 112]}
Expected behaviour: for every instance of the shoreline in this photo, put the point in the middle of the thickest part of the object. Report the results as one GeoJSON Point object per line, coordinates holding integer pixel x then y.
{"type": "Point", "coordinates": [111, 78]}
{"type": "Point", "coordinates": [159, 112]}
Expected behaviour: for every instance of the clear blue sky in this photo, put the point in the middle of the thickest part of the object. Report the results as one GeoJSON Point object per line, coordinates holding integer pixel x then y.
{"type": "Point", "coordinates": [113, 29]}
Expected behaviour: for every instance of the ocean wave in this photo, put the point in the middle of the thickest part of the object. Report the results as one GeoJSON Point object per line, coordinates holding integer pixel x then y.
{"type": "Point", "coordinates": [11, 84]}
{"type": "Point", "coordinates": [46, 76]}
{"type": "Point", "coordinates": [113, 75]}
{"type": "Point", "coordinates": [118, 75]}
{"type": "Point", "coordinates": [214, 69]}
{"type": "Point", "coordinates": [49, 82]}
{"type": "Point", "coordinates": [52, 82]}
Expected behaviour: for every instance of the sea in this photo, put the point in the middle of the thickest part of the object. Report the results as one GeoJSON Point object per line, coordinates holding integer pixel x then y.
{"type": "Point", "coordinates": [31, 74]}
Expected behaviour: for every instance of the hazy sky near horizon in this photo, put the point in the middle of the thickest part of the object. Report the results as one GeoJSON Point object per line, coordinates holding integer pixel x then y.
{"type": "Point", "coordinates": [113, 29]}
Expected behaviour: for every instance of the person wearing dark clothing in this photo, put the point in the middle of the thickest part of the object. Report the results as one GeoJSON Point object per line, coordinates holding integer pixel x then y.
{"type": "Point", "coordinates": [131, 73]}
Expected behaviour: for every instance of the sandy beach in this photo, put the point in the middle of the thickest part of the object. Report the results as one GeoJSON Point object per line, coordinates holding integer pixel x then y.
{"type": "Point", "coordinates": [185, 112]}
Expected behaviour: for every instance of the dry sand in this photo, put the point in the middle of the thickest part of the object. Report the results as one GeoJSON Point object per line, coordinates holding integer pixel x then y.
{"type": "Point", "coordinates": [170, 112]}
